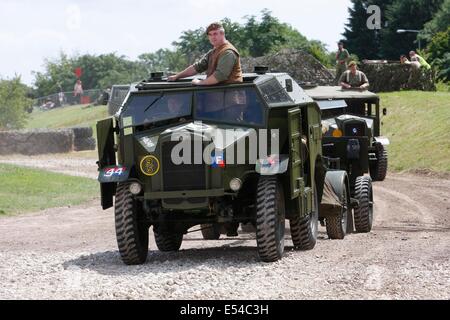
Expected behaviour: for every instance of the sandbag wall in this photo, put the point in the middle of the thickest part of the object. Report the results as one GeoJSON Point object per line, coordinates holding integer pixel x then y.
{"type": "Point", "coordinates": [45, 141]}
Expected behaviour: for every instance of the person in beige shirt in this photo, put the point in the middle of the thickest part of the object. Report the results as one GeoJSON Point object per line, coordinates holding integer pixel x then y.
{"type": "Point", "coordinates": [353, 78]}
{"type": "Point", "coordinates": [221, 64]}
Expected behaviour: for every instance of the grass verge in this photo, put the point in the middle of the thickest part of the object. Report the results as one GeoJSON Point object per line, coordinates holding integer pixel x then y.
{"type": "Point", "coordinates": [27, 190]}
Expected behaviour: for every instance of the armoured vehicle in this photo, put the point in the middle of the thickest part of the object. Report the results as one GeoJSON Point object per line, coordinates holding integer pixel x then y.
{"type": "Point", "coordinates": [352, 142]}
{"type": "Point", "coordinates": [176, 156]}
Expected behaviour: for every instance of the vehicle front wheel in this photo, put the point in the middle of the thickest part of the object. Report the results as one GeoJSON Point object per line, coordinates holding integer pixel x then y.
{"type": "Point", "coordinates": [270, 219]}
{"type": "Point", "coordinates": [131, 229]}
{"type": "Point", "coordinates": [378, 168]}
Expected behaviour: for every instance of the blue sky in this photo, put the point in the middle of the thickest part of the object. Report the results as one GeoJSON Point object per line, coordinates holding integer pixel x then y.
{"type": "Point", "coordinates": [31, 31]}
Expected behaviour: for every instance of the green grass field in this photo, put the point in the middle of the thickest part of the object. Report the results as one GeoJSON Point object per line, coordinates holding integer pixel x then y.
{"type": "Point", "coordinates": [27, 190]}
{"type": "Point", "coordinates": [67, 117]}
{"type": "Point", "coordinates": [418, 125]}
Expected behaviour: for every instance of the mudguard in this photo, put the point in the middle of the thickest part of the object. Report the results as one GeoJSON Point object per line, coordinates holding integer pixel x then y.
{"type": "Point", "coordinates": [383, 140]}
{"type": "Point", "coordinates": [333, 189]}
{"type": "Point", "coordinates": [107, 157]}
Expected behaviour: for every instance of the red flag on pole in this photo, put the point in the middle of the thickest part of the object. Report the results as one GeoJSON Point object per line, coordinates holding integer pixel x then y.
{"type": "Point", "coordinates": [78, 72]}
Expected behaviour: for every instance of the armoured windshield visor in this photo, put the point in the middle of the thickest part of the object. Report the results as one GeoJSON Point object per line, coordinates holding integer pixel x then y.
{"type": "Point", "coordinates": [148, 108]}
{"type": "Point", "coordinates": [234, 106]}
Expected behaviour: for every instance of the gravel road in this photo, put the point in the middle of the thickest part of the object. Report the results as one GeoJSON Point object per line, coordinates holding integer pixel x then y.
{"type": "Point", "coordinates": [71, 253]}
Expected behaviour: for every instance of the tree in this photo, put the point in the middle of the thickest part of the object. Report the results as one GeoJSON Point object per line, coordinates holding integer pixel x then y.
{"type": "Point", "coordinates": [253, 38]}
{"type": "Point", "coordinates": [98, 72]}
{"type": "Point", "coordinates": [439, 54]}
{"type": "Point", "coordinates": [405, 14]}
{"type": "Point", "coordinates": [14, 103]}
{"type": "Point", "coordinates": [439, 23]}
{"type": "Point", "coordinates": [163, 60]}
{"type": "Point", "coordinates": [360, 40]}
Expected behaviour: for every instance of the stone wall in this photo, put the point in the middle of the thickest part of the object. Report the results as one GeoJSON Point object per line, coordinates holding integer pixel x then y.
{"type": "Point", "coordinates": [44, 141]}
{"type": "Point", "coordinates": [387, 77]}
{"type": "Point", "coordinates": [302, 66]}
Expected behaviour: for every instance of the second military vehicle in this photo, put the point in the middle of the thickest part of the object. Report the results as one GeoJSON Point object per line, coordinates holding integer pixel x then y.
{"type": "Point", "coordinates": [352, 142]}
{"type": "Point", "coordinates": [177, 155]}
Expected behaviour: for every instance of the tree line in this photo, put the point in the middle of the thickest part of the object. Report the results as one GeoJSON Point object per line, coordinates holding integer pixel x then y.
{"type": "Point", "coordinates": [430, 17]}
{"type": "Point", "coordinates": [255, 37]}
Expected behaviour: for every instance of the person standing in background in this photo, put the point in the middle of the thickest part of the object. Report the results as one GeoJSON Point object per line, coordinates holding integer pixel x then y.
{"type": "Point", "coordinates": [78, 91]}
{"type": "Point", "coordinates": [342, 57]}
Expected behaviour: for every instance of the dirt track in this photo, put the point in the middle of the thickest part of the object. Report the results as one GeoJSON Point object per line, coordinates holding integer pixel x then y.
{"type": "Point", "coordinates": [71, 253]}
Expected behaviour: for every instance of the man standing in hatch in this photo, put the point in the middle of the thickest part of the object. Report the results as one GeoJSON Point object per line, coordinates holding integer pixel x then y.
{"type": "Point", "coordinates": [222, 63]}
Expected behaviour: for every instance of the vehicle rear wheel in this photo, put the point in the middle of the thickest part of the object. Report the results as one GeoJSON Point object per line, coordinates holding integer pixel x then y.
{"type": "Point", "coordinates": [168, 241]}
{"type": "Point", "coordinates": [210, 231]}
{"type": "Point", "coordinates": [131, 230]}
{"type": "Point", "coordinates": [378, 168]}
{"type": "Point", "coordinates": [364, 211]}
{"type": "Point", "coordinates": [337, 225]}
{"type": "Point", "coordinates": [304, 230]}
{"type": "Point", "coordinates": [270, 219]}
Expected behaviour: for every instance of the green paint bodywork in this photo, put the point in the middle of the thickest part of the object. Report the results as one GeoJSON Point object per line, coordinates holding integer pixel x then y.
{"type": "Point", "coordinates": [294, 114]}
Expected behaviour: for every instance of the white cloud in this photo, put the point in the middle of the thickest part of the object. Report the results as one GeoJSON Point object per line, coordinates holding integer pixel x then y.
{"type": "Point", "coordinates": [73, 17]}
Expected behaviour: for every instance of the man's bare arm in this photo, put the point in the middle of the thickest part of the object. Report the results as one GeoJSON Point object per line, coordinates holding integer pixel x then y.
{"type": "Point", "coordinates": [188, 72]}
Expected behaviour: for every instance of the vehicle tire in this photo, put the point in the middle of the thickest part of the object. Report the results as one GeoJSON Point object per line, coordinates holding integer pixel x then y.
{"type": "Point", "coordinates": [210, 231]}
{"type": "Point", "coordinates": [304, 230]}
{"type": "Point", "coordinates": [364, 212]}
{"type": "Point", "coordinates": [270, 219]}
{"type": "Point", "coordinates": [378, 168]}
{"type": "Point", "coordinates": [337, 226]}
{"type": "Point", "coordinates": [167, 242]}
{"type": "Point", "coordinates": [131, 231]}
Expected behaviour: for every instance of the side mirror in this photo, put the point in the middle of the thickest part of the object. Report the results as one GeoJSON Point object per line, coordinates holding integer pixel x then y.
{"type": "Point", "coordinates": [384, 112]}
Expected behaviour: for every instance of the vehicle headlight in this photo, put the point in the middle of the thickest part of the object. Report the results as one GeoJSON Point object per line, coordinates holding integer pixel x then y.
{"type": "Point", "coordinates": [135, 188]}
{"type": "Point", "coordinates": [235, 184]}
{"type": "Point", "coordinates": [149, 143]}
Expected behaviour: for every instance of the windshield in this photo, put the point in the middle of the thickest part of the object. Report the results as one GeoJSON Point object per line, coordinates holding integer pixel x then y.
{"type": "Point", "coordinates": [147, 108]}
{"type": "Point", "coordinates": [230, 106]}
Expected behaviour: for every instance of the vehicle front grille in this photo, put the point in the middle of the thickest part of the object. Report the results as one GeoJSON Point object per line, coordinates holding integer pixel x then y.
{"type": "Point", "coordinates": [184, 176]}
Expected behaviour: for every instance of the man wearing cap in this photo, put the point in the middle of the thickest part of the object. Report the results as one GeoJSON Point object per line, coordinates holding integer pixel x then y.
{"type": "Point", "coordinates": [353, 78]}
{"type": "Point", "coordinates": [342, 57]}
{"type": "Point", "coordinates": [222, 63]}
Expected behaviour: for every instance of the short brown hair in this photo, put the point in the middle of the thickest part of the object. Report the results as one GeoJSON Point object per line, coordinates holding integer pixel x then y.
{"type": "Point", "coordinates": [214, 26]}
{"type": "Point", "coordinates": [352, 63]}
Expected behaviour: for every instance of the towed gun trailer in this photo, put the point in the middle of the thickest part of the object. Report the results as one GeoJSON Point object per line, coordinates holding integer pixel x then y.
{"type": "Point", "coordinates": [352, 142]}
{"type": "Point", "coordinates": [139, 175]}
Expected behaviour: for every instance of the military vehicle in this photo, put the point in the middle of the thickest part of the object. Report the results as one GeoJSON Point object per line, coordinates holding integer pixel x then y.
{"type": "Point", "coordinates": [352, 142]}
{"type": "Point", "coordinates": [161, 122]}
